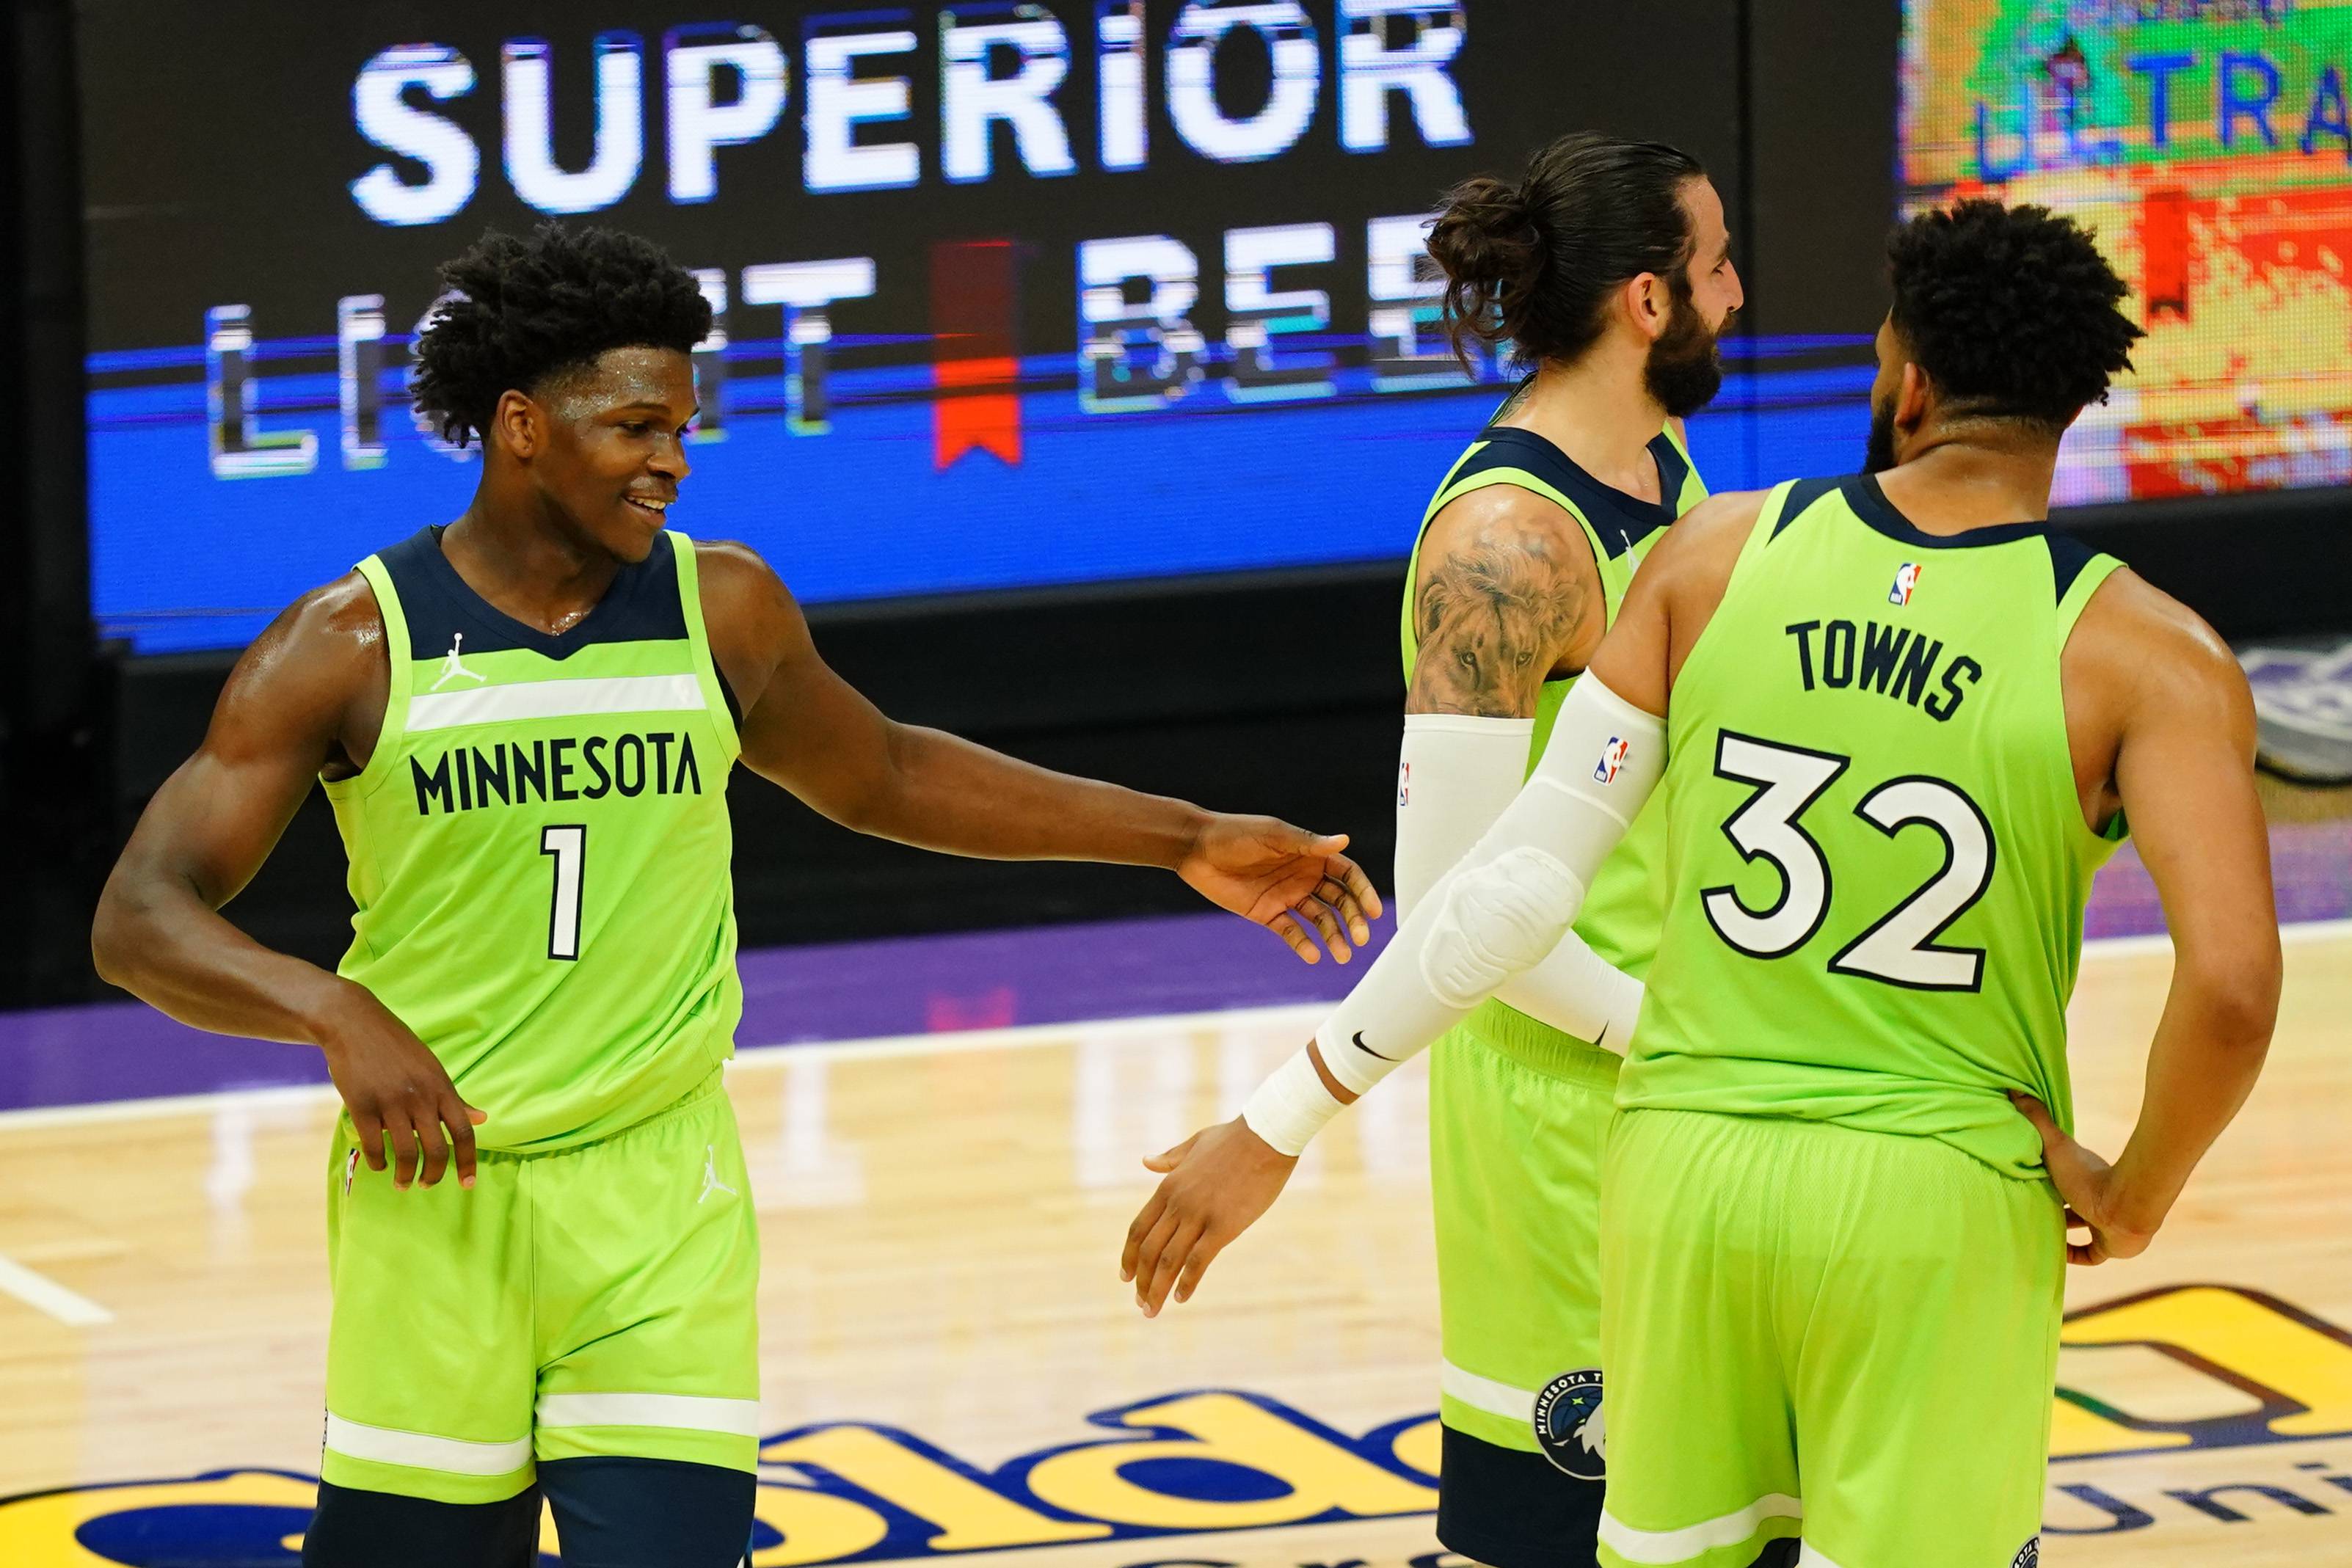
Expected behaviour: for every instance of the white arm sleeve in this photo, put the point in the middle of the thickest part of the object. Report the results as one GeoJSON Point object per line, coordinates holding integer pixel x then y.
{"type": "Point", "coordinates": [1455, 772]}
{"type": "Point", "coordinates": [1511, 899]}
{"type": "Point", "coordinates": [1455, 775]}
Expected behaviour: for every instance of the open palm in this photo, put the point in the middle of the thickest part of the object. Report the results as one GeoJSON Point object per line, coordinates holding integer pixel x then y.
{"type": "Point", "coordinates": [1286, 880]}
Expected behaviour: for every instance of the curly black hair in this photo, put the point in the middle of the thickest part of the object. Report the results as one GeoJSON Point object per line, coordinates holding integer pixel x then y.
{"type": "Point", "coordinates": [523, 310]}
{"type": "Point", "coordinates": [2012, 311]}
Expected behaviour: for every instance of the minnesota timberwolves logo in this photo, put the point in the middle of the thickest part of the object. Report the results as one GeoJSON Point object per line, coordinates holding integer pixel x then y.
{"type": "Point", "coordinates": [1568, 1424]}
{"type": "Point", "coordinates": [2028, 1555]}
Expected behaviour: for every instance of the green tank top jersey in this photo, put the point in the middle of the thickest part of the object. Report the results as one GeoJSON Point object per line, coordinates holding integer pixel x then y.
{"type": "Point", "coordinates": [1619, 918]}
{"type": "Point", "coordinates": [540, 847]}
{"type": "Point", "coordinates": [1880, 861]}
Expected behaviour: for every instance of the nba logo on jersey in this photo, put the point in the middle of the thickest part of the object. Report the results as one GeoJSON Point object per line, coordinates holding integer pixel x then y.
{"type": "Point", "coordinates": [1906, 578]}
{"type": "Point", "coordinates": [1612, 757]}
{"type": "Point", "coordinates": [1404, 784]}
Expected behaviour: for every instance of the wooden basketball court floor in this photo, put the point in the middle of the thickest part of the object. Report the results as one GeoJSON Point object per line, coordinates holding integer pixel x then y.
{"type": "Point", "coordinates": [951, 1366]}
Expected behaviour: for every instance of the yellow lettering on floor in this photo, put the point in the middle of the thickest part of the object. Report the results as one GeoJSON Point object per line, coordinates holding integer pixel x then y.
{"type": "Point", "coordinates": [1322, 1476]}
{"type": "Point", "coordinates": [2274, 1373]}
{"type": "Point", "coordinates": [39, 1532]}
{"type": "Point", "coordinates": [971, 1517]}
{"type": "Point", "coordinates": [816, 1527]}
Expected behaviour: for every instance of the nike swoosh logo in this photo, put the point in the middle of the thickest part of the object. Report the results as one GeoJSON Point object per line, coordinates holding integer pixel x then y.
{"type": "Point", "coordinates": [1367, 1049]}
{"type": "Point", "coordinates": [1602, 1035]}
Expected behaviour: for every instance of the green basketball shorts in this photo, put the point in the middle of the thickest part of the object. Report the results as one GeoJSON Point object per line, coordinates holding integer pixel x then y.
{"type": "Point", "coordinates": [599, 1300]}
{"type": "Point", "coordinates": [1519, 1113]}
{"type": "Point", "coordinates": [1816, 1332]}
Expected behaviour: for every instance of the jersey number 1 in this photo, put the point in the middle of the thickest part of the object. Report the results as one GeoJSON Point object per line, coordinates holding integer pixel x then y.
{"type": "Point", "coordinates": [1899, 948]}
{"type": "Point", "coordinates": [569, 844]}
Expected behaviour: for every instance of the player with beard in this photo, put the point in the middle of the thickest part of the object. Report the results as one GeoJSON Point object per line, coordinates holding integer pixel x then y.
{"type": "Point", "coordinates": [1608, 268]}
{"type": "Point", "coordinates": [1895, 723]}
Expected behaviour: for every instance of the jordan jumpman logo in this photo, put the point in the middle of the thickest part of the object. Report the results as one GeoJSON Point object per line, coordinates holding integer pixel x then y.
{"type": "Point", "coordinates": [452, 666]}
{"type": "Point", "coordinates": [710, 1182]}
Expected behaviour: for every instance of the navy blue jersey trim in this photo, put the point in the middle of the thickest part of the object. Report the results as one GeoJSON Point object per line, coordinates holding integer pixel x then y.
{"type": "Point", "coordinates": [1802, 496]}
{"type": "Point", "coordinates": [1622, 521]}
{"type": "Point", "coordinates": [2068, 557]}
{"type": "Point", "coordinates": [640, 606]}
{"type": "Point", "coordinates": [1868, 499]}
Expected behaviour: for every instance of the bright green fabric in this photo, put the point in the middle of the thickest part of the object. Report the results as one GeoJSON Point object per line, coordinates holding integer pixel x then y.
{"type": "Point", "coordinates": [1516, 1107]}
{"type": "Point", "coordinates": [1798, 1319]}
{"type": "Point", "coordinates": [628, 1266]}
{"type": "Point", "coordinates": [453, 906]}
{"type": "Point", "coordinates": [1947, 705]}
{"type": "Point", "coordinates": [1516, 1124]}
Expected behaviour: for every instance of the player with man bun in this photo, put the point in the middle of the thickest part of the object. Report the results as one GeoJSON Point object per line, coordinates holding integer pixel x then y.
{"type": "Point", "coordinates": [1607, 266]}
{"type": "Point", "coordinates": [1895, 723]}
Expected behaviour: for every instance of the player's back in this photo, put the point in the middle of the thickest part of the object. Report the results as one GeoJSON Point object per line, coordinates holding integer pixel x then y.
{"type": "Point", "coordinates": [1880, 855]}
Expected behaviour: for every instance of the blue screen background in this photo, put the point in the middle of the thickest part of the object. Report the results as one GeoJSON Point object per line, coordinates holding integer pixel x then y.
{"type": "Point", "coordinates": [181, 560]}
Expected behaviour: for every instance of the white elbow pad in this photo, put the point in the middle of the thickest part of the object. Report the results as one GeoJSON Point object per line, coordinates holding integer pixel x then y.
{"type": "Point", "coordinates": [1513, 895]}
{"type": "Point", "coordinates": [1493, 920]}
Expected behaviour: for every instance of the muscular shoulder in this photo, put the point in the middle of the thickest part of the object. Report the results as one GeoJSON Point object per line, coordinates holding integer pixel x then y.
{"type": "Point", "coordinates": [312, 682]}
{"type": "Point", "coordinates": [329, 638]}
{"type": "Point", "coordinates": [2136, 642]}
{"type": "Point", "coordinates": [1507, 592]}
{"type": "Point", "coordinates": [735, 577]}
{"type": "Point", "coordinates": [1699, 551]}
{"type": "Point", "coordinates": [1509, 527]}
{"type": "Point", "coordinates": [751, 616]}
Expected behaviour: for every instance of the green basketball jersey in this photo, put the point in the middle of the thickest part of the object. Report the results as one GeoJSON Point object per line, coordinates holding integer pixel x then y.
{"type": "Point", "coordinates": [540, 847]}
{"type": "Point", "coordinates": [1880, 861]}
{"type": "Point", "coordinates": [1619, 918]}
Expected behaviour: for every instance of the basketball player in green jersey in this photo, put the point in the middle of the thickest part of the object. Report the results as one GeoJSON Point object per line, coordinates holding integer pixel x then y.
{"type": "Point", "coordinates": [1608, 267]}
{"type": "Point", "coordinates": [1900, 723]}
{"type": "Point", "coordinates": [525, 722]}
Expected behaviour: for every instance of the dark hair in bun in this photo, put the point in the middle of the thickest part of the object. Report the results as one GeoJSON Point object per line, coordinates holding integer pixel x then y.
{"type": "Point", "coordinates": [1532, 264]}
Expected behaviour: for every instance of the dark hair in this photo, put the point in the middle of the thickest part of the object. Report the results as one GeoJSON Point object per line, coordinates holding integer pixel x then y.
{"type": "Point", "coordinates": [2009, 310]}
{"type": "Point", "coordinates": [526, 309]}
{"type": "Point", "coordinates": [1534, 262]}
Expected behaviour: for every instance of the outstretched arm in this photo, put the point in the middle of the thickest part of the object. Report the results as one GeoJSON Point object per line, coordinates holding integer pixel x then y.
{"type": "Point", "coordinates": [2183, 722]}
{"type": "Point", "coordinates": [808, 730]}
{"type": "Point", "coordinates": [1499, 913]}
{"type": "Point", "coordinates": [307, 695]}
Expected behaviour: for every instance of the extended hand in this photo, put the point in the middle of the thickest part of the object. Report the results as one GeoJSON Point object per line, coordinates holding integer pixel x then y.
{"type": "Point", "coordinates": [1265, 869]}
{"type": "Point", "coordinates": [397, 1093]}
{"type": "Point", "coordinates": [1213, 1187]}
{"type": "Point", "coordinates": [2088, 1184]}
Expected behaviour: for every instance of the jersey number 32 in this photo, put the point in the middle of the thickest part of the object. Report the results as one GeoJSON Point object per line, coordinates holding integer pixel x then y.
{"type": "Point", "coordinates": [1899, 948]}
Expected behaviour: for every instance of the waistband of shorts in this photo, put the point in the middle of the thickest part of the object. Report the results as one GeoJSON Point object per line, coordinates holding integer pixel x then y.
{"type": "Point", "coordinates": [1539, 1047]}
{"type": "Point", "coordinates": [702, 1094]}
{"type": "Point", "coordinates": [711, 1087]}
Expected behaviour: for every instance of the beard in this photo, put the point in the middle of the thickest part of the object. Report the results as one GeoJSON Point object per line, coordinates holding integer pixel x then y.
{"type": "Point", "coordinates": [1879, 455]}
{"type": "Point", "coordinates": [1684, 370]}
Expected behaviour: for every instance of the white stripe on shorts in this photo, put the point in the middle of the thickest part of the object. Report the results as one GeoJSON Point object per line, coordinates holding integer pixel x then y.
{"type": "Point", "coordinates": [1814, 1557]}
{"type": "Point", "coordinates": [1485, 1394]}
{"type": "Point", "coordinates": [1681, 1545]}
{"type": "Point", "coordinates": [452, 1455]}
{"type": "Point", "coordinates": [738, 1418]}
